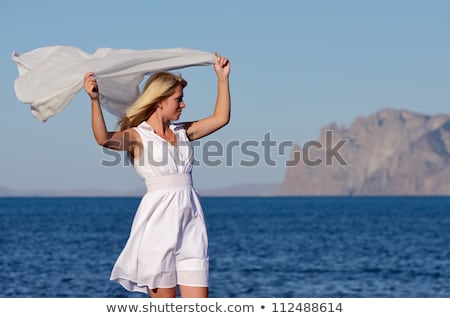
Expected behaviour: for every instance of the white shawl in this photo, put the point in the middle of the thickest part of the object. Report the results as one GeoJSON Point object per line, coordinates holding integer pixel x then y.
{"type": "Point", "coordinates": [50, 77]}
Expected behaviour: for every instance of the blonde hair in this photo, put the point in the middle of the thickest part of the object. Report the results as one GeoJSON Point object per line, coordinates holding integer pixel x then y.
{"type": "Point", "coordinates": [158, 87]}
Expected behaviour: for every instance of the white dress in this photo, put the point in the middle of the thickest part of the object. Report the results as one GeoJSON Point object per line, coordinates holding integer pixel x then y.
{"type": "Point", "coordinates": [168, 242]}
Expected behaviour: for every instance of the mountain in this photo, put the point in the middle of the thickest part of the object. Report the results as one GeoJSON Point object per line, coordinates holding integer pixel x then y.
{"type": "Point", "coordinates": [4, 192]}
{"type": "Point", "coordinates": [392, 152]}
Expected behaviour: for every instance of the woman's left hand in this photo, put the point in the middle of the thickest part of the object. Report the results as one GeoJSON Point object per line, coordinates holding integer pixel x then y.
{"type": "Point", "coordinates": [222, 66]}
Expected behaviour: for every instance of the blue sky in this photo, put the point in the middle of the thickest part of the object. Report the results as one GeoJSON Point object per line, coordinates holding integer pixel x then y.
{"type": "Point", "coordinates": [296, 67]}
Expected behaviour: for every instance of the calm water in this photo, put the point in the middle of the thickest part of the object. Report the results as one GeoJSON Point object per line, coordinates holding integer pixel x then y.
{"type": "Point", "coordinates": [259, 247]}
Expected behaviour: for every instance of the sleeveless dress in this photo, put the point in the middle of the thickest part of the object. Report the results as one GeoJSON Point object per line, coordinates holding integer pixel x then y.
{"type": "Point", "coordinates": [168, 243]}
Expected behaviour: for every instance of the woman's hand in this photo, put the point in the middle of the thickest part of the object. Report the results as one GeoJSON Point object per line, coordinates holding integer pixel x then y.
{"type": "Point", "coordinates": [222, 67]}
{"type": "Point", "coordinates": [90, 85]}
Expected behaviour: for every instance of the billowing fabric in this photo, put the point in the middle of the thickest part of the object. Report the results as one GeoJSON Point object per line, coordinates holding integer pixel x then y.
{"type": "Point", "coordinates": [168, 243]}
{"type": "Point", "coordinates": [50, 77]}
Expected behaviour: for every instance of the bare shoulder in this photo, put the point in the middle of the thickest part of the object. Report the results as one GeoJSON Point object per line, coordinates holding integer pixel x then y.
{"type": "Point", "coordinates": [123, 140]}
{"type": "Point", "coordinates": [132, 142]}
{"type": "Point", "coordinates": [133, 134]}
{"type": "Point", "coordinates": [187, 126]}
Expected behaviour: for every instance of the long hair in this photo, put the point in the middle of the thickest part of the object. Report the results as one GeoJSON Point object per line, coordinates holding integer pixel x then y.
{"type": "Point", "coordinates": [158, 87]}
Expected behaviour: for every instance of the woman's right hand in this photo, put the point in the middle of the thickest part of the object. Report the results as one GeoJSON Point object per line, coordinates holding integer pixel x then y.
{"type": "Point", "coordinates": [90, 85]}
{"type": "Point", "coordinates": [222, 66]}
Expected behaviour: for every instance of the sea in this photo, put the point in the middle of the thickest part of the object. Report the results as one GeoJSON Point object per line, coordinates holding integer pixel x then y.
{"type": "Point", "coordinates": [284, 247]}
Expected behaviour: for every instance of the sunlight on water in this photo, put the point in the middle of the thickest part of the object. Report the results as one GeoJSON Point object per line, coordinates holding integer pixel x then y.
{"type": "Point", "coordinates": [259, 247]}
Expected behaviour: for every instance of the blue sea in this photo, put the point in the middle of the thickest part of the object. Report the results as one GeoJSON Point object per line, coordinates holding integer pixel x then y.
{"type": "Point", "coordinates": [259, 247]}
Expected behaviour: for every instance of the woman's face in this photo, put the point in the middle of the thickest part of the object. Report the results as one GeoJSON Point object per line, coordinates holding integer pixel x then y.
{"type": "Point", "coordinates": [173, 105]}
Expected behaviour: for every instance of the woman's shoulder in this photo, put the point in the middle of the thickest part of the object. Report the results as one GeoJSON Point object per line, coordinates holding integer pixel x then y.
{"type": "Point", "coordinates": [134, 133]}
{"type": "Point", "coordinates": [143, 125]}
{"type": "Point", "coordinates": [178, 126]}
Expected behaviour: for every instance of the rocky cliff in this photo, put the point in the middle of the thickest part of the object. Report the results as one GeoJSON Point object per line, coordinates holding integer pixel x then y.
{"type": "Point", "coordinates": [392, 152]}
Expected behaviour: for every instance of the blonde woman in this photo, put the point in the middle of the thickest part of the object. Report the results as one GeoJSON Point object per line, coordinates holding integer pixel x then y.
{"type": "Point", "coordinates": [168, 244]}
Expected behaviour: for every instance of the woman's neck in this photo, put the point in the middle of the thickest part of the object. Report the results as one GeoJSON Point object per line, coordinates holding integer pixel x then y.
{"type": "Point", "coordinates": [158, 123]}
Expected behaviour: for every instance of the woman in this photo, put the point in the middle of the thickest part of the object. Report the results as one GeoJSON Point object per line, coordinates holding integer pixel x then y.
{"type": "Point", "coordinates": [167, 246]}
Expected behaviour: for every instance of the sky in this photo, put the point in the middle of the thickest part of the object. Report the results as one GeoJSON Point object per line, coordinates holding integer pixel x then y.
{"type": "Point", "coordinates": [296, 66]}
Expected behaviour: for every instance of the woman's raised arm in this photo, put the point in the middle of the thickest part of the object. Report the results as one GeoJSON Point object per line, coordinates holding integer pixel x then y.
{"type": "Point", "coordinates": [221, 114]}
{"type": "Point", "coordinates": [117, 140]}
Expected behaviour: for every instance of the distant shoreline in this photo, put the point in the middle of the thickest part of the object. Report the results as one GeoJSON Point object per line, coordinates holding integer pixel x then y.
{"type": "Point", "coordinates": [236, 190]}
{"type": "Point", "coordinates": [113, 197]}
